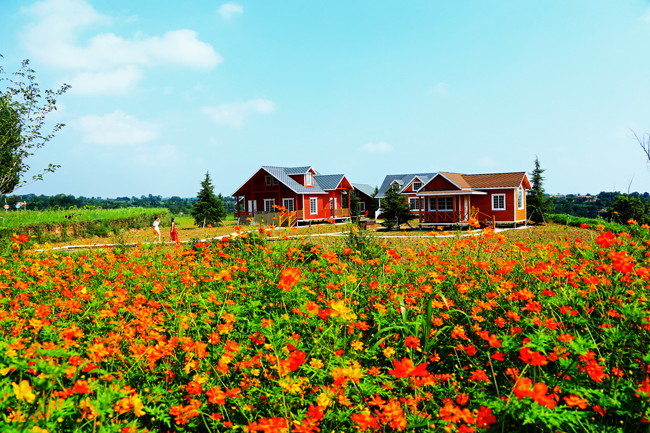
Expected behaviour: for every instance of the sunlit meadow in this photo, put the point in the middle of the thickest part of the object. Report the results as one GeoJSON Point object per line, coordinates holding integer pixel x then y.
{"type": "Point", "coordinates": [248, 335]}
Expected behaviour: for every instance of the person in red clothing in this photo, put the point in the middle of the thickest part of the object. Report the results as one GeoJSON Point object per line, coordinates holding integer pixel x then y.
{"type": "Point", "coordinates": [173, 234]}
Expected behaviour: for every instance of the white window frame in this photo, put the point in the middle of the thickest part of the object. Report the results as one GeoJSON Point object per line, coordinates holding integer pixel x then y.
{"type": "Point", "coordinates": [286, 201]}
{"type": "Point", "coordinates": [308, 179]}
{"type": "Point", "coordinates": [313, 205]}
{"type": "Point", "coordinates": [417, 203]}
{"type": "Point", "coordinates": [362, 206]}
{"type": "Point", "coordinates": [448, 201]}
{"type": "Point", "coordinates": [335, 203]}
{"type": "Point", "coordinates": [417, 183]}
{"type": "Point", "coordinates": [520, 198]}
{"type": "Point", "coordinates": [500, 197]}
{"type": "Point", "coordinates": [268, 204]}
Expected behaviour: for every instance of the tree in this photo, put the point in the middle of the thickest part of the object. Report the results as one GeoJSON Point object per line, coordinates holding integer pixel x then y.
{"type": "Point", "coordinates": [627, 208]}
{"type": "Point", "coordinates": [395, 208]}
{"type": "Point", "coordinates": [374, 203]}
{"type": "Point", "coordinates": [208, 208]}
{"type": "Point", "coordinates": [354, 204]}
{"type": "Point", "coordinates": [537, 202]}
{"type": "Point", "coordinates": [22, 116]}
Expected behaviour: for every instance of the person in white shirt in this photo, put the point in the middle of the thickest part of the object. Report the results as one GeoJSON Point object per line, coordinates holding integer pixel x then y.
{"type": "Point", "coordinates": [156, 229]}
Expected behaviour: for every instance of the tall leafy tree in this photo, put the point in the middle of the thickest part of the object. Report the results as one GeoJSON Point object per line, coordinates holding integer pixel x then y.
{"type": "Point", "coordinates": [536, 201]}
{"type": "Point", "coordinates": [23, 109]}
{"type": "Point", "coordinates": [208, 208]}
{"type": "Point", "coordinates": [395, 208]}
{"type": "Point", "coordinates": [627, 208]}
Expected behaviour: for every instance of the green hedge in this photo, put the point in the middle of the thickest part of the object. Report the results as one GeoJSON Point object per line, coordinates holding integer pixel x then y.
{"type": "Point", "coordinates": [574, 221]}
{"type": "Point", "coordinates": [70, 224]}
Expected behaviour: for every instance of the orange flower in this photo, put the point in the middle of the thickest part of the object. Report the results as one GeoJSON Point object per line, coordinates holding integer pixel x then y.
{"type": "Point", "coordinates": [289, 278]}
{"type": "Point", "coordinates": [405, 368]}
{"type": "Point", "coordinates": [574, 400]}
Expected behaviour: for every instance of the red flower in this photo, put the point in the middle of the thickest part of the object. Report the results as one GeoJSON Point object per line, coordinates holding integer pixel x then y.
{"type": "Point", "coordinates": [412, 342]}
{"type": "Point", "coordinates": [364, 421]}
{"type": "Point", "coordinates": [606, 240]}
{"type": "Point", "coordinates": [405, 368]}
{"type": "Point", "coordinates": [574, 400]}
{"type": "Point", "coordinates": [498, 356]}
{"type": "Point", "coordinates": [479, 376]}
{"type": "Point", "coordinates": [484, 417]}
{"type": "Point", "coordinates": [532, 358]}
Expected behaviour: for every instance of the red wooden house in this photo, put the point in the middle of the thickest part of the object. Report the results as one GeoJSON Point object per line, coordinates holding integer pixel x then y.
{"type": "Point", "coordinates": [304, 193]}
{"type": "Point", "coordinates": [452, 198]}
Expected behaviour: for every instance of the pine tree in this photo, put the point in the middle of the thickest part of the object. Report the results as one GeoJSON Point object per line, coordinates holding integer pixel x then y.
{"type": "Point", "coordinates": [395, 208]}
{"type": "Point", "coordinates": [536, 201]}
{"type": "Point", "coordinates": [208, 208]}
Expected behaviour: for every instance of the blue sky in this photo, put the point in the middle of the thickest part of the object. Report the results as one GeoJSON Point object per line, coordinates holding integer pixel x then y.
{"type": "Point", "coordinates": [165, 91]}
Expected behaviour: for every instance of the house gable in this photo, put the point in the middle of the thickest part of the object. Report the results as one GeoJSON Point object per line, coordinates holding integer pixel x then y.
{"type": "Point", "coordinates": [440, 183]}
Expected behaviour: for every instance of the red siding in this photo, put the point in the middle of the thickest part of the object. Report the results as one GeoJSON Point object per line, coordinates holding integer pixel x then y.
{"type": "Point", "coordinates": [439, 183]}
{"type": "Point", "coordinates": [484, 204]}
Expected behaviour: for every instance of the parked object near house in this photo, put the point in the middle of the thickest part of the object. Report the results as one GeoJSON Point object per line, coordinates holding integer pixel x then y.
{"type": "Point", "coordinates": [445, 198]}
{"type": "Point", "coordinates": [301, 193]}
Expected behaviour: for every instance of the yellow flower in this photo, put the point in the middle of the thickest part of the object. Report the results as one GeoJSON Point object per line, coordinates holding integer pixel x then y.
{"type": "Point", "coordinates": [23, 391]}
{"type": "Point", "coordinates": [339, 309]}
{"type": "Point", "coordinates": [138, 407]}
{"type": "Point", "coordinates": [389, 352]}
{"type": "Point", "coordinates": [316, 363]}
{"type": "Point", "coordinates": [357, 345]}
{"type": "Point", "coordinates": [323, 399]}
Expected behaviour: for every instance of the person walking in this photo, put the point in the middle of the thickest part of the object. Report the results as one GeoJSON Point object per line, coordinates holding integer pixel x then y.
{"type": "Point", "coordinates": [156, 229]}
{"type": "Point", "coordinates": [173, 234]}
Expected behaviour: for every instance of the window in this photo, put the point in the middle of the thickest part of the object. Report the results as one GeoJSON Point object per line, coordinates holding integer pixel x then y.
{"type": "Point", "coordinates": [313, 205]}
{"type": "Point", "coordinates": [308, 179]}
{"type": "Point", "coordinates": [417, 185]}
{"type": "Point", "coordinates": [362, 206]}
{"type": "Point", "coordinates": [498, 202]}
{"type": "Point", "coordinates": [288, 203]}
{"type": "Point", "coordinates": [520, 198]}
{"type": "Point", "coordinates": [268, 180]}
{"type": "Point", "coordinates": [275, 181]}
{"type": "Point", "coordinates": [445, 203]}
{"type": "Point", "coordinates": [414, 203]}
{"type": "Point", "coordinates": [268, 204]}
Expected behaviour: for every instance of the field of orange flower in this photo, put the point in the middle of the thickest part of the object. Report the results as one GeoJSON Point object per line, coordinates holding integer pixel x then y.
{"type": "Point", "coordinates": [469, 334]}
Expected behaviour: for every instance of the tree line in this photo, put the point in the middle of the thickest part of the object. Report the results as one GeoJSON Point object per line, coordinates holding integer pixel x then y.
{"type": "Point", "coordinates": [175, 204]}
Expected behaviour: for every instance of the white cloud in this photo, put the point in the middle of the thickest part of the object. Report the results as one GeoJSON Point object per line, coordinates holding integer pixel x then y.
{"type": "Point", "coordinates": [233, 114]}
{"type": "Point", "coordinates": [380, 147]}
{"type": "Point", "coordinates": [646, 16]}
{"type": "Point", "coordinates": [487, 161]}
{"type": "Point", "coordinates": [440, 88]}
{"type": "Point", "coordinates": [116, 128]}
{"type": "Point", "coordinates": [118, 82]}
{"type": "Point", "coordinates": [54, 38]}
{"type": "Point", "coordinates": [158, 156]}
{"type": "Point", "coordinates": [132, 18]}
{"type": "Point", "coordinates": [228, 10]}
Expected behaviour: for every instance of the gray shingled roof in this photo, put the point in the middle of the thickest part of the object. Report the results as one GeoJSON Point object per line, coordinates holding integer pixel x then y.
{"type": "Point", "coordinates": [321, 182]}
{"type": "Point", "coordinates": [282, 175]}
{"type": "Point", "coordinates": [403, 179]}
{"type": "Point", "coordinates": [295, 170]}
{"type": "Point", "coordinates": [328, 181]}
{"type": "Point", "coordinates": [364, 188]}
